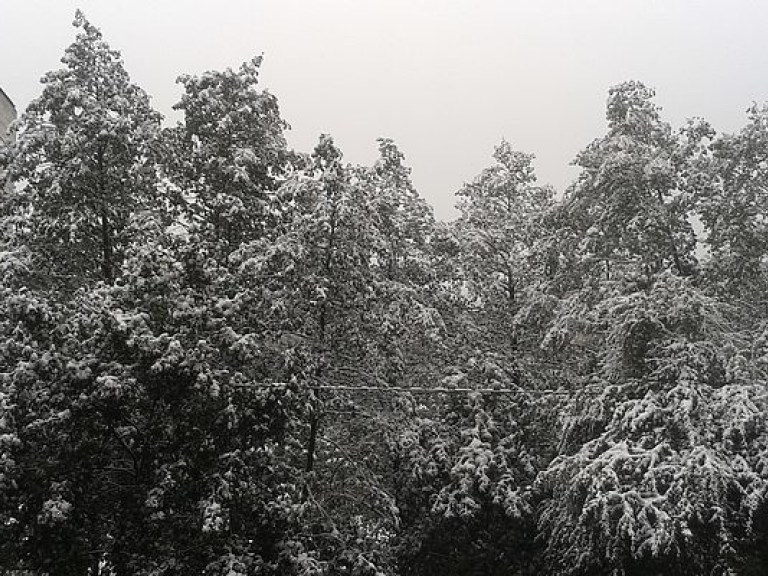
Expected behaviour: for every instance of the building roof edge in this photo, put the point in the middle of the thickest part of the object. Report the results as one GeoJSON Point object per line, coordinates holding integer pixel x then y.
{"type": "Point", "coordinates": [4, 95]}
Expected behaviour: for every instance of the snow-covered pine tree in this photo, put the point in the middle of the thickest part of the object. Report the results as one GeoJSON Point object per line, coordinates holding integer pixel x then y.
{"type": "Point", "coordinates": [732, 202]}
{"type": "Point", "coordinates": [655, 474]}
{"type": "Point", "coordinates": [499, 225]}
{"type": "Point", "coordinates": [82, 164]}
{"type": "Point", "coordinates": [628, 194]}
{"type": "Point", "coordinates": [224, 161]}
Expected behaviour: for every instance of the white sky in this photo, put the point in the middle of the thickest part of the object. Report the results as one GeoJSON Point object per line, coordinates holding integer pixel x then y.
{"type": "Point", "coordinates": [447, 79]}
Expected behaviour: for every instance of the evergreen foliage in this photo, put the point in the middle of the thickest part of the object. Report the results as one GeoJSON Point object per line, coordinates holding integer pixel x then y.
{"type": "Point", "coordinates": [221, 356]}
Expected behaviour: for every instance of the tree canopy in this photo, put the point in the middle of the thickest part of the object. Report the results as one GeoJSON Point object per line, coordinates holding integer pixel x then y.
{"type": "Point", "coordinates": [219, 355]}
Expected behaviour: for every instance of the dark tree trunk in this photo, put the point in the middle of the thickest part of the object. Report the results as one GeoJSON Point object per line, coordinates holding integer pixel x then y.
{"type": "Point", "coordinates": [107, 257]}
{"type": "Point", "coordinates": [671, 237]}
{"type": "Point", "coordinates": [314, 419]}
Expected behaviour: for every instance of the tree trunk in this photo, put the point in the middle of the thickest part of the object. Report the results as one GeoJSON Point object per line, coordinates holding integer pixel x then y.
{"type": "Point", "coordinates": [670, 235]}
{"type": "Point", "coordinates": [314, 419]}
{"type": "Point", "coordinates": [314, 416]}
{"type": "Point", "coordinates": [106, 230]}
{"type": "Point", "coordinates": [107, 261]}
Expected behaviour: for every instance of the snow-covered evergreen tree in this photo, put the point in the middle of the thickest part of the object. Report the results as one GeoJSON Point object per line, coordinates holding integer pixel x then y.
{"type": "Point", "coordinates": [82, 163]}
{"type": "Point", "coordinates": [224, 161]}
{"type": "Point", "coordinates": [219, 356]}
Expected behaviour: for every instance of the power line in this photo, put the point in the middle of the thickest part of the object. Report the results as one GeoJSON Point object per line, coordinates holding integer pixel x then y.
{"type": "Point", "coordinates": [417, 389]}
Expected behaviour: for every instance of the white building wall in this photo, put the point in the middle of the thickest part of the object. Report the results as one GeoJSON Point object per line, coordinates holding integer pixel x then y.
{"type": "Point", "coordinates": [7, 115]}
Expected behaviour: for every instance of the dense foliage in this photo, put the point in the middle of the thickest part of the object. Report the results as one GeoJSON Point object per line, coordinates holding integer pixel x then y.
{"type": "Point", "coordinates": [222, 356]}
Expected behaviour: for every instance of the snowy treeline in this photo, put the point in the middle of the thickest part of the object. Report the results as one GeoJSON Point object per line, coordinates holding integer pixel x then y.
{"type": "Point", "coordinates": [222, 356]}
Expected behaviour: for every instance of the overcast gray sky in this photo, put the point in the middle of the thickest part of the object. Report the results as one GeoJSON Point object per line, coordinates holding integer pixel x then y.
{"type": "Point", "coordinates": [447, 79]}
